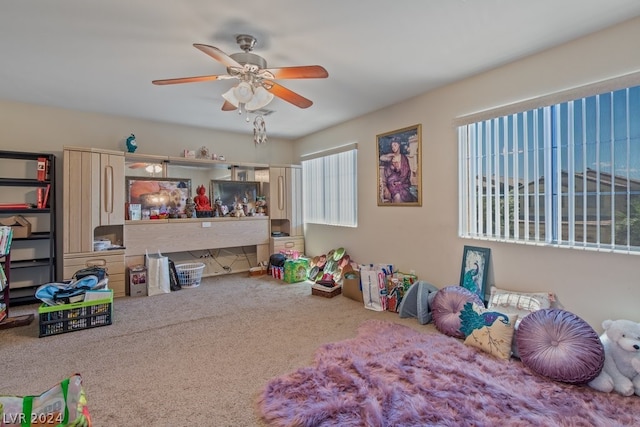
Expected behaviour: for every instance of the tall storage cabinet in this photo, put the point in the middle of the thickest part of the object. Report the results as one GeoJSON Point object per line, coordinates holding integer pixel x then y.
{"type": "Point", "coordinates": [94, 203]}
{"type": "Point", "coordinates": [285, 208]}
{"type": "Point", "coordinates": [24, 179]}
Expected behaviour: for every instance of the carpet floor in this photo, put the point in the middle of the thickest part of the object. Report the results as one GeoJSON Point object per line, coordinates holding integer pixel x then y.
{"type": "Point", "coordinates": [196, 357]}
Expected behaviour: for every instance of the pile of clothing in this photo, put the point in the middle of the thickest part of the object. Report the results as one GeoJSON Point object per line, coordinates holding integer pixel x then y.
{"type": "Point", "coordinates": [87, 279]}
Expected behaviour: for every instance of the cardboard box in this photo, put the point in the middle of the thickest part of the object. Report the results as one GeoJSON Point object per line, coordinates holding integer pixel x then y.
{"type": "Point", "coordinates": [351, 286]}
{"type": "Point", "coordinates": [21, 227]}
{"type": "Point", "coordinates": [138, 281]}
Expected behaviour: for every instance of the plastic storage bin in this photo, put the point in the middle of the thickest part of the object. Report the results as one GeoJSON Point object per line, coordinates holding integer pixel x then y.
{"type": "Point", "coordinates": [58, 319]}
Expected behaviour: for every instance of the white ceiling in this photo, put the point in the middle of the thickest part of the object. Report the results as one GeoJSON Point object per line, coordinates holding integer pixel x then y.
{"type": "Point", "coordinates": [101, 56]}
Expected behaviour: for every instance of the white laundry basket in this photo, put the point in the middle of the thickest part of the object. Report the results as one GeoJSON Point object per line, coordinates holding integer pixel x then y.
{"type": "Point", "coordinates": [190, 274]}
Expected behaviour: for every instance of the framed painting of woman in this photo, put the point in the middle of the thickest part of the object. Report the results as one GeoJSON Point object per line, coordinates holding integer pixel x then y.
{"type": "Point", "coordinates": [399, 167]}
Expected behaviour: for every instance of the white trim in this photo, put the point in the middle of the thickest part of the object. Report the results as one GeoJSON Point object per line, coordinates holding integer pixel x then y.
{"type": "Point", "coordinates": [330, 151]}
{"type": "Point", "coordinates": [610, 85]}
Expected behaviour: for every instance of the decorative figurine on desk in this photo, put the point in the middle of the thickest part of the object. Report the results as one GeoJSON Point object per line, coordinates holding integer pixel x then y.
{"type": "Point", "coordinates": [238, 209]}
{"type": "Point", "coordinates": [261, 206]}
{"type": "Point", "coordinates": [132, 146]}
{"type": "Point", "coordinates": [190, 208]}
{"type": "Point", "coordinates": [245, 206]}
{"type": "Point", "coordinates": [201, 200]}
{"type": "Point", "coordinates": [203, 206]}
{"type": "Point", "coordinates": [217, 208]}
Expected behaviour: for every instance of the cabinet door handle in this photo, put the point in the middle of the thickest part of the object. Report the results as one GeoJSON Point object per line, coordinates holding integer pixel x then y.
{"type": "Point", "coordinates": [290, 245]}
{"type": "Point", "coordinates": [281, 193]}
{"type": "Point", "coordinates": [108, 189]}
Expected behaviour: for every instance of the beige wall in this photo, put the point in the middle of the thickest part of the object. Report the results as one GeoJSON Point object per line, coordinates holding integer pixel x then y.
{"type": "Point", "coordinates": [595, 286]}
{"type": "Point", "coordinates": [27, 127]}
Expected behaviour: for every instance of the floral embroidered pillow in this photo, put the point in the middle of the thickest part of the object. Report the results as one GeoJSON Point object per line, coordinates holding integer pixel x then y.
{"type": "Point", "coordinates": [488, 330]}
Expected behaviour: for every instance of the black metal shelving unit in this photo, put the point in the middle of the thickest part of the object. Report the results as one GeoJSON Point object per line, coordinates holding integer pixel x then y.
{"type": "Point", "coordinates": [42, 266]}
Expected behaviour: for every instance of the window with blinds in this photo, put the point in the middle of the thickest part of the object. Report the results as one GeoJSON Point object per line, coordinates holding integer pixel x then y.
{"type": "Point", "coordinates": [329, 189]}
{"type": "Point", "coordinates": [566, 174]}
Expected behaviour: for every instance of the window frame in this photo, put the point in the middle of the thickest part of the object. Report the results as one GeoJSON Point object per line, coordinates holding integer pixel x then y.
{"type": "Point", "coordinates": [330, 187]}
{"type": "Point", "coordinates": [563, 141]}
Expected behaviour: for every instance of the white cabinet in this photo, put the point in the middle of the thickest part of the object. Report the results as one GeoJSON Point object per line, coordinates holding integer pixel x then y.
{"type": "Point", "coordinates": [111, 188]}
{"type": "Point", "coordinates": [285, 209]}
{"type": "Point", "coordinates": [93, 197]}
{"type": "Point", "coordinates": [285, 199]}
{"type": "Point", "coordinates": [278, 193]}
{"type": "Point", "coordinates": [93, 207]}
{"type": "Point", "coordinates": [286, 244]}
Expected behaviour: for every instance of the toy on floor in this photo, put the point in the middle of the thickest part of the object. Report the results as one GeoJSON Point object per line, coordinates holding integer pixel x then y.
{"type": "Point", "coordinates": [621, 371]}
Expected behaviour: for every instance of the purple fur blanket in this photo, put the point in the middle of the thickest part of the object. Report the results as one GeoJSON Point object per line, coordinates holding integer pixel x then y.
{"type": "Point", "coordinates": [392, 375]}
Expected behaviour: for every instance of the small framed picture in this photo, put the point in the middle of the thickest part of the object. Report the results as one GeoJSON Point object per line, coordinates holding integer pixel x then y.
{"type": "Point", "coordinates": [475, 268]}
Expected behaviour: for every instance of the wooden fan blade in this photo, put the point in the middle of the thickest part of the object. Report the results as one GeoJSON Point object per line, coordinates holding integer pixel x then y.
{"type": "Point", "coordinates": [227, 106]}
{"type": "Point", "coordinates": [302, 72]}
{"type": "Point", "coordinates": [218, 55]}
{"type": "Point", "coordinates": [287, 95]}
{"type": "Point", "coordinates": [138, 165]}
{"type": "Point", "coordinates": [189, 79]}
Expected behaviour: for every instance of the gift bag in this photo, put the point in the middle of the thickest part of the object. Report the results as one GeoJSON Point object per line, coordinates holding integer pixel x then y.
{"type": "Point", "coordinates": [158, 280]}
{"type": "Point", "coordinates": [63, 405]}
{"type": "Point", "coordinates": [373, 278]}
{"type": "Point", "coordinates": [397, 285]}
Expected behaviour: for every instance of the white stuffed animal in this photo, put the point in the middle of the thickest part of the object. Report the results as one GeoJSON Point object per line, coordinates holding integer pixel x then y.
{"type": "Point", "coordinates": [621, 371]}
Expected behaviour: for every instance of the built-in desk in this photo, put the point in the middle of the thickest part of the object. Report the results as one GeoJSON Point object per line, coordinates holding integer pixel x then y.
{"type": "Point", "coordinates": [198, 234]}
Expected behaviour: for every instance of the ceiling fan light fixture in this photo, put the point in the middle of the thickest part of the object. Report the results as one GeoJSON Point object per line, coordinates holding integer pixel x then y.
{"type": "Point", "coordinates": [243, 92]}
{"type": "Point", "coordinates": [261, 98]}
{"type": "Point", "coordinates": [153, 168]}
{"type": "Point", "coordinates": [230, 97]}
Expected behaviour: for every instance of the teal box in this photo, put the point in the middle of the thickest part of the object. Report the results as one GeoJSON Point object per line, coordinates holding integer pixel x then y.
{"type": "Point", "coordinates": [295, 270]}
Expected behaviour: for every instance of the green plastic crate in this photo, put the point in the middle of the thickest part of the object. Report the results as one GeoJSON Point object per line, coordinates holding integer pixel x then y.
{"type": "Point", "coordinates": [59, 319]}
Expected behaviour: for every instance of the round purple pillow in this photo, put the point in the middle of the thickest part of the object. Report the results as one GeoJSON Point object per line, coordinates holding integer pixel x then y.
{"type": "Point", "coordinates": [560, 345]}
{"type": "Point", "coordinates": [446, 308]}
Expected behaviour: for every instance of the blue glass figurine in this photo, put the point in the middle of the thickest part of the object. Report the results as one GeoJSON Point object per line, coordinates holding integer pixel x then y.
{"type": "Point", "coordinates": [131, 144]}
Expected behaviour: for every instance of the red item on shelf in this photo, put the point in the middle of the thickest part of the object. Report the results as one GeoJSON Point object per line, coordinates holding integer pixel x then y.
{"type": "Point", "coordinates": [42, 168]}
{"type": "Point", "coordinates": [15, 206]}
{"type": "Point", "coordinates": [43, 196]}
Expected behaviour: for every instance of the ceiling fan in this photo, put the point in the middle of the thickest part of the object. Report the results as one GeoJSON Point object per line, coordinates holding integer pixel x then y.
{"type": "Point", "coordinates": [257, 86]}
